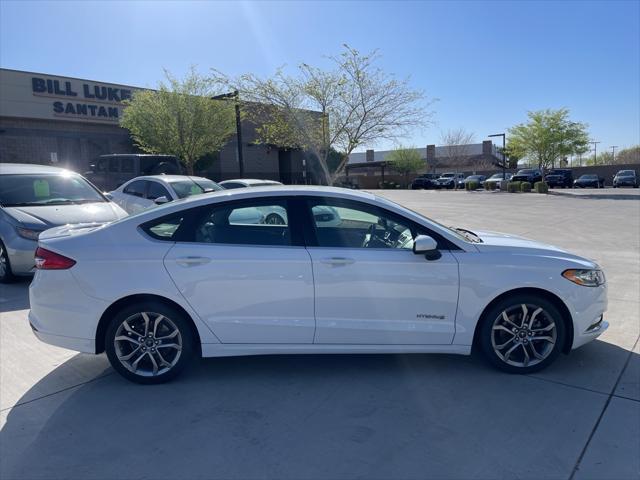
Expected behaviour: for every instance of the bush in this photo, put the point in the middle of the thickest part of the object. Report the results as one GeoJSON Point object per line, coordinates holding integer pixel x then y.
{"type": "Point", "coordinates": [490, 185]}
{"type": "Point", "coordinates": [513, 187]}
{"type": "Point", "coordinates": [541, 187]}
{"type": "Point", "coordinates": [472, 185]}
{"type": "Point", "coordinates": [525, 187]}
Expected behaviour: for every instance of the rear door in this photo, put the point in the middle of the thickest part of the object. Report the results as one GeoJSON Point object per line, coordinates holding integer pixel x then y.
{"type": "Point", "coordinates": [250, 282]}
{"type": "Point", "coordinates": [134, 197]}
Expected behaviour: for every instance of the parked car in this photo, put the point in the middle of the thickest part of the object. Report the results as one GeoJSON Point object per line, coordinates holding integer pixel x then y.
{"type": "Point", "coordinates": [248, 182]}
{"type": "Point", "coordinates": [182, 280]}
{"type": "Point", "coordinates": [589, 180]}
{"type": "Point", "coordinates": [34, 198]}
{"type": "Point", "coordinates": [108, 172]}
{"type": "Point", "coordinates": [475, 178]}
{"type": "Point", "coordinates": [559, 177]}
{"type": "Point", "coordinates": [425, 181]}
{"type": "Point", "coordinates": [450, 180]}
{"type": "Point", "coordinates": [625, 178]}
{"type": "Point", "coordinates": [497, 178]}
{"type": "Point", "coordinates": [146, 192]}
{"type": "Point", "coordinates": [531, 175]}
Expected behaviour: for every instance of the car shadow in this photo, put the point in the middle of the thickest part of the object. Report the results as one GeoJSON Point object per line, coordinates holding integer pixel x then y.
{"type": "Point", "coordinates": [307, 416]}
{"type": "Point", "coordinates": [15, 295]}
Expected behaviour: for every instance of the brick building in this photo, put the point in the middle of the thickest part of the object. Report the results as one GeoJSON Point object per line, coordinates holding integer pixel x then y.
{"type": "Point", "coordinates": [68, 122]}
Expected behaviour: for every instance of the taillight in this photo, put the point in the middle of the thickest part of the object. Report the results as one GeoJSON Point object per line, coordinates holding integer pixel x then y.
{"type": "Point", "coordinates": [48, 260]}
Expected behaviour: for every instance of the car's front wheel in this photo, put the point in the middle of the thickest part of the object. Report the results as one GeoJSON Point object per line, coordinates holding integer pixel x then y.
{"type": "Point", "coordinates": [522, 334]}
{"type": "Point", "coordinates": [149, 342]}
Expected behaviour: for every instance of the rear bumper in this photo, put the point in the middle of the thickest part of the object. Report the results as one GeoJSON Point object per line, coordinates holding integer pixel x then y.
{"type": "Point", "coordinates": [85, 345]}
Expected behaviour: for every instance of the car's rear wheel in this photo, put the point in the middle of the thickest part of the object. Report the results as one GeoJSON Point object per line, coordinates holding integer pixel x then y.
{"type": "Point", "coordinates": [522, 334]}
{"type": "Point", "coordinates": [6, 275]}
{"type": "Point", "coordinates": [149, 342]}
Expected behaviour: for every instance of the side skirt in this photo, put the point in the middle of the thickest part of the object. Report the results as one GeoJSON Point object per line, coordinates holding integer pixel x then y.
{"type": "Point", "coordinates": [232, 350]}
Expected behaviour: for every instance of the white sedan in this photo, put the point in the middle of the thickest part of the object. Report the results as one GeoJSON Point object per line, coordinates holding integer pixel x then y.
{"type": "Point", "coordinates": [158, 289]}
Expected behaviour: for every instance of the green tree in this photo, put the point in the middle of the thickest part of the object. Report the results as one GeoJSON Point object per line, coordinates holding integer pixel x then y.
{"type": "Point", "coordinates": [405, 160]}
{"type": "Point", "coordinates": [180, 118]}
{"type": "Point", "coordinates": [628, 155]}
{"type": "Point", "coordinates": [351, 104]}
{"type": "Point", "coordinates": [547, 137]}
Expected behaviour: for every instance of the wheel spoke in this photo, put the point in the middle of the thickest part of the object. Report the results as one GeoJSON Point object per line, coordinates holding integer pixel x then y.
{"type": "Point", "coordinates": [501, 346]}
{"type": "Point", "coordinates": [535, 352]}
{"type": "Point", "coordinates": [526, 355]}
{"type": "Point", "coordinates": [505, 317]}
{"type": "Point", "coordinates": [503, 328]}
{"type": "Point", "coordinates": [169, 345]}
{"type": "Point", "coordinates": [146, 323]}
{"type": "Point", "coordinates": [533, 317]}
{"type": "Point", "coordinates": [127, 357]}
{"type": "Point", "coordinates": [508, 352]}
{"type": "Point", "coordinates": [549, 327]}
{"type": "Point", "coordinates": [134, 365]}
{"type": "Point", "coordinates": [156, 322]}
{"type": "Point", "coordinates": [155, 364]}
{"type": "Point", "coordinates": [128, 328]}
{"type": "Point", "coordinates": [125, 338]}
{"type": "Point", "coordinates": [163, 362]}
{"type": "Point", "coordinates": [524, 315]}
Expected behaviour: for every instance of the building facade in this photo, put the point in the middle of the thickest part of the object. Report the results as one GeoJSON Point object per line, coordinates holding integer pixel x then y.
{"type": "Point", "coordinates": [68, 122]}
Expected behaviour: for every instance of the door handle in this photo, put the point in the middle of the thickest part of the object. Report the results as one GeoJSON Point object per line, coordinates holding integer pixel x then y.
{"type": "Point", "coordinates": [192, 261]}
{"type": "Point", "coordinates": [337, 261]}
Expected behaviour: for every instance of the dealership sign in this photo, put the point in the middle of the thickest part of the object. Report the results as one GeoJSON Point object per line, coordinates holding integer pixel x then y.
{"type": "Point", "coordinates": [24, 94]}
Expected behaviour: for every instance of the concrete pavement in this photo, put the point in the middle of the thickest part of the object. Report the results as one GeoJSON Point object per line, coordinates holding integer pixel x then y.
{"type": "Point", "coordinates": [372, 416]}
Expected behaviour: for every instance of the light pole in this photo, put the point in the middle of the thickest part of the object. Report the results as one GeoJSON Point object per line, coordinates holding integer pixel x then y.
{"type": "Point", "coordinates": [613, 153]}
{"type": "Point", "coordinates": [504, 146]}
{"type": "Point", "coordinates": [235, 94]}
{"type": "Point", "coordinates": [595, 152]}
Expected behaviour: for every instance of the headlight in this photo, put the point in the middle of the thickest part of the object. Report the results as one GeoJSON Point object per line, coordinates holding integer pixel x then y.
{"type": "Point", "coordinates": [28, 233]}
{"type": "Point", "coordinates": [586, 278]}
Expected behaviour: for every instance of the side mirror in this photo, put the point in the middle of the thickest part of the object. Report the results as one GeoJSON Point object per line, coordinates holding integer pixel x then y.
{"type": "Point", "coordinates": [424, 244]}
{"type": "Point", "coordinates": [109, 196]}
{"type": "Point", "coordinates": [161, 200]}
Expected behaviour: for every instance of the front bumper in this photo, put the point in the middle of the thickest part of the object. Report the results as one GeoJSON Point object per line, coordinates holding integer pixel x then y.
{"type": "Point", "coordinates": [588, 306]}
{"type": "Point", "coordinates": [21, 252]}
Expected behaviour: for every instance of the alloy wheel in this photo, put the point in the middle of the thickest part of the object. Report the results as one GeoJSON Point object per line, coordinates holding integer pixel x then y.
{"type": "Point", "coordinates": [148, 344]}
{"type": "Point", "coordinates": [523, 335]}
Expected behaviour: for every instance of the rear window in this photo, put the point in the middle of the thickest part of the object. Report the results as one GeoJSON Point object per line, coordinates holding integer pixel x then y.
{"type": "Point", "coordinates": [46, 189]}
{"type": "Point", "coordinates": [186, 188]}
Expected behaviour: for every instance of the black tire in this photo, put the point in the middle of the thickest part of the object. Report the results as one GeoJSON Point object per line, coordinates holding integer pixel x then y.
{"type": "Point", "coordinates": [494, 316]}
{"type": "Point", "coordinates": [133, 314]}
{"type": "Point", "coordinates": [6, 275]}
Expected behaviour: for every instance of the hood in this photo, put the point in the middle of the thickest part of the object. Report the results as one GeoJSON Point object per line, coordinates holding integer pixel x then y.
{"type": "Point", "coordinates": [514, 244]}
{"type": "Point", "coordinates": [48, 216]}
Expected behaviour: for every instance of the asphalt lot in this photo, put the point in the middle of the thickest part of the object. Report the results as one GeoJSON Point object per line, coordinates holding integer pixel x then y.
{"type": "Point", "coordinates": [67, 415]}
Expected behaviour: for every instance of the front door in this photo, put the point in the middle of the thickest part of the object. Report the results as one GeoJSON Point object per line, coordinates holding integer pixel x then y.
{"type": "Point", "coordinates": [249, 280]}
{"type": "Point", "coordinates": [370, 287]}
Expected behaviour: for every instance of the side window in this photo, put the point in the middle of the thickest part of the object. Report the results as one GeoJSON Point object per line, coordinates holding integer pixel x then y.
{"type": "Point", "coordinates": [232, 185]}
{"type": "Point", "coordinates": [156, 190]}
{"type": "Point", "coordinates": [126, 165]}
{"type": "Point", "coordinates": [164, 228]}
{"type": "Point", "coordinates": [136, 188]}
{"type": "Point", "coordinates": [243, 223]}
{"type": "Point", "coordinates": [356, 225]}
{"type": "Point", "coordinates": [114, 164]}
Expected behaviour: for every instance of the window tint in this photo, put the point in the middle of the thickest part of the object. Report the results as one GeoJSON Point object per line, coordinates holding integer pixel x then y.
{"type": "Point", "coordinates": [355, 225]}
{"type": "Point", "coordinates": [113, 164]}
{"type": "Point", "coordinates": [243, 223]}
{"type": "Point", "coordinates": [126, 165]}
{"type": "Point", "coordinates": [156, 190]}
{"type": "Point", "coordinates": [135, 188]}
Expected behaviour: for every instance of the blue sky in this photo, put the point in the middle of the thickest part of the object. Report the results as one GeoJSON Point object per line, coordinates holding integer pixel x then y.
{"type": "Point", "coordinates": [488, 63]}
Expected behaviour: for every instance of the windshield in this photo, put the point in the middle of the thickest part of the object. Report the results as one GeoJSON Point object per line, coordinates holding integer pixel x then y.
{"type": "Point", "coordinates": [195, 186]}
{"type": "Point", "coordinates": [498, 175]}
{"type": "Point", "coordinates": [589, 177]}
{"type": "Point", "coordinates": [46, 189]}
{"type": "Point", "coordinates": [447, 175]}
{"type": "Point", "coordinates": [265, 184]}
{"type": "Point", "coordinates": [526, 171]}
{"type": "Point", "coordinates": [624, 173]}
